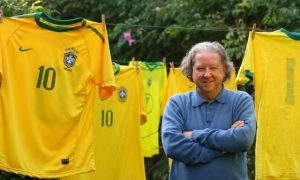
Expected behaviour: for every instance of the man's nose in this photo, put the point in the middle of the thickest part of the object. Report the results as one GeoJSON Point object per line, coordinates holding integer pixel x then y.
{"type": "Point", "coordinates": [207, 72]}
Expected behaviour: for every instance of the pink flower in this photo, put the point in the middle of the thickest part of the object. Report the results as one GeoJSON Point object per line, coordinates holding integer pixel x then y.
{"type": "Point", "coordinates": [127, 36]}
{"type": "Point", "coordinates": [156, 9]}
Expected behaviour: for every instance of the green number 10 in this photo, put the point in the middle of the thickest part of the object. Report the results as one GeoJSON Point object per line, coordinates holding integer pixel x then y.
{"type": "Point", "coordinates": [45, 77]}
{"type": "Point", "coordinates": [106, 118]}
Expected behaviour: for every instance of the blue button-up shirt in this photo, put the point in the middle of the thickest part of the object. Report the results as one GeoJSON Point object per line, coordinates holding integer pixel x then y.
{"type": "Point", "coordinates": [215, 151]}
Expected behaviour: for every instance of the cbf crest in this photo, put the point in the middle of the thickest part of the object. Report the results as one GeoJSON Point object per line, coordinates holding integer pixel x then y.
{"type": "Point", "coordinates": [70, 57]}
{"type": "Point", "coordinates": [122, 92]}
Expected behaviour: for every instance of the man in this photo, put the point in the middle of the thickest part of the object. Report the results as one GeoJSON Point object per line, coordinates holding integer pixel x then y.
{"type": "Point", "coordinates": [208, 131]}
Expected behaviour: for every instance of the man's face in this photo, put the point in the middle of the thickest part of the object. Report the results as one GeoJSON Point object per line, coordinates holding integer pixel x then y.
{"type": "Point", "coordinates": [208, 73]}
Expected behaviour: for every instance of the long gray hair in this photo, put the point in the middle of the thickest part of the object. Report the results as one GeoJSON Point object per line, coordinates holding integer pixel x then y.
{"type": "Point", "coordinates": [188, 61]}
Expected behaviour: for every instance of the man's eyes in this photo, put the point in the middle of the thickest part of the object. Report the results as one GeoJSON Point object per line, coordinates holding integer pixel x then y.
{"type": "Point", "coordinates": [204, 69]}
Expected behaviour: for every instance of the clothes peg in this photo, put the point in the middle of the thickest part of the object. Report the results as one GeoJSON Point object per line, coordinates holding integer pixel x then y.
{"type": "Point", "coordinates": [253, 30]}
{"type": "Point", "coordinates": [164, 60]}
{"type": "Point", "coordinates": [137, 66]}
{"type": "Point", "coordinates": [103, 21]}
{"type": "Point", "coordinates": [172, 66]}
{"type": "Point", "coordinates": [133, 59]}
{"type": "Point", "coordinates": [1, 14]}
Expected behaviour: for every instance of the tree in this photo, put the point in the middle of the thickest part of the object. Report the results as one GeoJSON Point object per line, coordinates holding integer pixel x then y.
{"type": "Point", "coordinates": [18, 7]}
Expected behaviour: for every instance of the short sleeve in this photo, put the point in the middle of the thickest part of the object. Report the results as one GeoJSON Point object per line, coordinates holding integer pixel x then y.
{"type": "Point", "coordinates": [100, 59]}
{"type": "Point", "coordinates": [169, 90]}
{"type": "Point", "coordinates": [107, 83]}
{"type": "Point", "coordinates": [142, 99]}
{"type": "Point", "coordinates": [163, 85]}
{"type": "Point", "coordinates": [245, 74]}
{"type": "Point", "coordinates": [1, 62]}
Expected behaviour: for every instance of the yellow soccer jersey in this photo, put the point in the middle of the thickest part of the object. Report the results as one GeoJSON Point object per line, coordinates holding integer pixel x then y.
{"type": "Point", "coordinates": [271, 63]}
{"type": "Point", "coordinates": [50, 69]}
{"type": "Point", "coordinates": [154, 77]}
{"type": "Point", "coordinates": [117, 129]}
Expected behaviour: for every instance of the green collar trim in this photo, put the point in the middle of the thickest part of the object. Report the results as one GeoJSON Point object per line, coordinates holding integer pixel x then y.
{"type": "Point", "coordinates": [249, 75]}
{"type": "Point", "coordinates": [97, 32]}
{"type": "Point", "coordinates": [293, 35]}
{"type": "Point", "coordinates": [58, 25]}
{"type": "Point", "coordinates": [117, 68]}
{"type": "Point", "coordinates": [151, 65]}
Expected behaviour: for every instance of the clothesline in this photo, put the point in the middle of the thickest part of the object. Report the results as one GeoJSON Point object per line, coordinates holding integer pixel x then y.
{"type": "Point", "coordinates": [181, 27]}
{"type": "Point", "coordinates": [176, 64]}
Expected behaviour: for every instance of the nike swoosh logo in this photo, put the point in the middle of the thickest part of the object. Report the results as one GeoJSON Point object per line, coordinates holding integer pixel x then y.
{"type": "Point", "coordinates": [24, 49]}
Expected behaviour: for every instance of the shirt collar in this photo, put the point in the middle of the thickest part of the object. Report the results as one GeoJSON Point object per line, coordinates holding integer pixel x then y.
{"type": "Point", "coordinates": [197, 100]}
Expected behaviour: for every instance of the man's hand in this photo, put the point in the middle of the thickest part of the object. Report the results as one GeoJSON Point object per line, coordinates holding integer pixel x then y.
{"type": "Point", "coordinates": [187, 134]}
{"type": "Point", "coordinates": [238, 124]}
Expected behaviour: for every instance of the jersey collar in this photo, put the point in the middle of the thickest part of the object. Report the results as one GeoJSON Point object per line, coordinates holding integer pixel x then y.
{"type": "Point", "coordinates": [151, 65]}
{"type": "Point", "coordinates": [47, 22]}
{"type": "Point", "coordinates": [293, 35]}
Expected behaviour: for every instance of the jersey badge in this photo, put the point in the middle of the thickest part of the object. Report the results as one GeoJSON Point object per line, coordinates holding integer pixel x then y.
{"type": "Point", "coordinates": [70, 57]}
{"type": "Point", "coordinates": [122, 92]}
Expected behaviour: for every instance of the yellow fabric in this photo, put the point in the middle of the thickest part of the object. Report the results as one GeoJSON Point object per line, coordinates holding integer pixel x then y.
{"type": "Point", "coordinates": [117, 131]}
{"type": "Point", "coordinates": [176, 83]}
{"type": "Point", "coordinates": [154, 77]}
{"type": "Point", "coordinates": [1, 62]}
{"type": "Point", "coordinates": [230, 84]}
{"type": "Point", "coordinates": [273, 60]}
{"type": "Point", "coordinates": [47, 104]}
